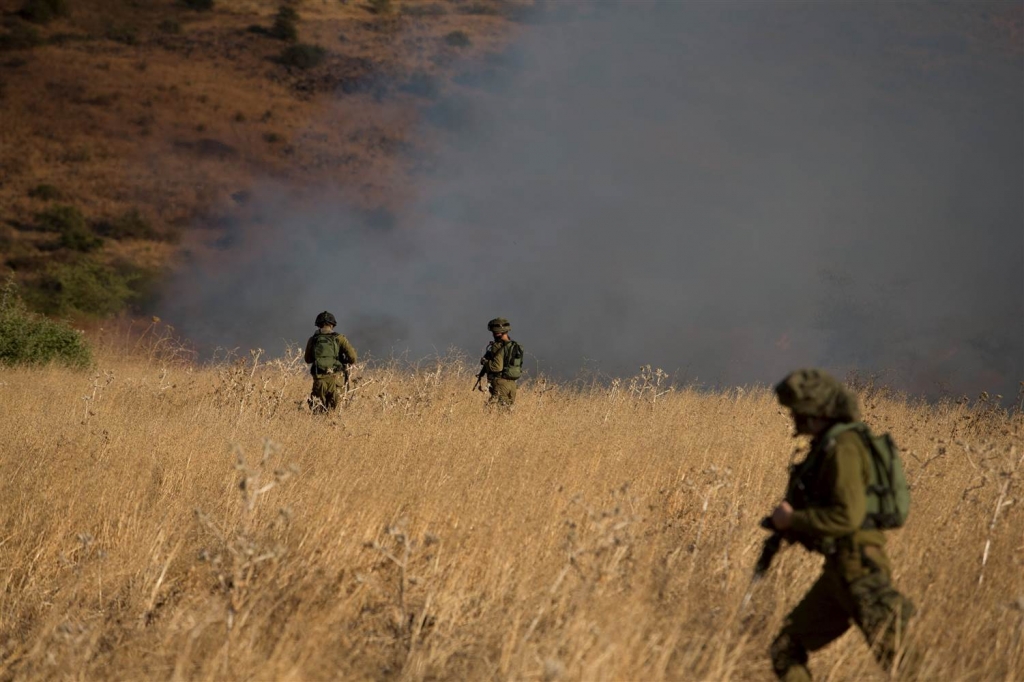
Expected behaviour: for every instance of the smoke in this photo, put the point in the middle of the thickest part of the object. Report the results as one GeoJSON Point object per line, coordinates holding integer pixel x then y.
{"type": "Point", "coordinates": [723, 190]}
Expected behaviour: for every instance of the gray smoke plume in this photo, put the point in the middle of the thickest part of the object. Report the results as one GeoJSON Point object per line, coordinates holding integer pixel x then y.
{"type": "Point", "coordinates": [723, 190]}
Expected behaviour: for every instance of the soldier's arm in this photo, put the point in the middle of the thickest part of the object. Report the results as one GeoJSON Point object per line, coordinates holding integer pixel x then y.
{"type": "Point", "coordinates": [309, 352]}
{"type": "Point", "coordinates": [843, 471]}
{"type": "Point", "coordinates": [347, 348]}
{"type": "Point", "coordinates": [495, 359]}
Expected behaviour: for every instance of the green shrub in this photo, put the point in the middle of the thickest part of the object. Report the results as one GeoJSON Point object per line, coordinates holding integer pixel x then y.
{"type": "Point", "coordinates": [120, 33]}
{"type": "Point", "coordinates": [83, 242]}
{"type": "Point", "coordinates": [199, 5]}
{"type": "Point", "coordinates": [27, 338]}
{"type": "Point", "coordinates": [90, 287]}
{"type": "Point", "coordinates": [21, 36]}
{"type": "Point", "coordinates": [171, 26]}
{"type": "Point", "coordinates": [284, 27]}
{"type": "Point", "coordinates": [44, 193]}
{"type": "Point", "coordinates": [303, 56]}
{"type": "Point", "coordinates": [458, 39]}
{"type": "Point", "coordinates": [69, 222]}
{"type": "Point", "coordinates": [480, 8]}
{"type": "Point", "coordinates": [61, 218]}
{"type": "Point", "coordinates": [424, 10]}
{"type": "Point", "coordinates": [129, 225]}
{"type": "Point", "coordinates": [44, 11]}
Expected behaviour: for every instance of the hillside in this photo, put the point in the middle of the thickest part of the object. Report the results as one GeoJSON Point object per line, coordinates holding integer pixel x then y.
{"type": "Point", "coordinates": [156, 122]}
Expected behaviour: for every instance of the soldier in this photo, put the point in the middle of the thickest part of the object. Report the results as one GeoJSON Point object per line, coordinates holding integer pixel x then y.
{"type": "Point", "coordinates": [826, 511]}
{"type": "Point", "coordinates": [329, 355]}
{"type": "Point", "coordinates": [502, 364]}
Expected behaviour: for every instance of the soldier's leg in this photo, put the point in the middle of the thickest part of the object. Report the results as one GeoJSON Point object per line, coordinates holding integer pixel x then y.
{"type": "Point", "coordinates": [324, 394]}
{"type": "Point", "coordinates": [331, 391]}
{"type": "Point", "coordinates": [882, 613]}
{"type": "Point", "coordinates": [507, 396]}
{"type": "Point", "coordinates": [316, 399]}
{"type": "Point", "coordinates": [818, 619]}
{"type": "Point", "coordinates": [503, 391]}
{"type": "Point", "coordinates": [494, 388]}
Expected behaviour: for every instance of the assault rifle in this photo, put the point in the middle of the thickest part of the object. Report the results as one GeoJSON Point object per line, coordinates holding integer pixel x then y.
{"type": "Point", "coordinates": [769, 549]}
{"type": "Point", "coordinates": [479, 378]}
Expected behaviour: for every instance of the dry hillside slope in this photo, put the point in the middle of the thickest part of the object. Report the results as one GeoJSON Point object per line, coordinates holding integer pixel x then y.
{"type": "Point", "coordinates": [153, 121]}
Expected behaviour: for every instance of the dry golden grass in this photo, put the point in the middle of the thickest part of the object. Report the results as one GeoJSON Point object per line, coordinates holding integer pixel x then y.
{"type": "Point", "coordinates": [599, 533]}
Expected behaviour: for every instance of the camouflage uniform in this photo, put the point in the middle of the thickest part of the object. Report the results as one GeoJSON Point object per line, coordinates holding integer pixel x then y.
{"type": "Point", "coordinates": [501, 363]}
{"type": "Point", "coordinates": [502, 390]}
{"type": "Point", "coordinates": [329, 386]}
{"type": "Point", "coordinates": [828, 494]}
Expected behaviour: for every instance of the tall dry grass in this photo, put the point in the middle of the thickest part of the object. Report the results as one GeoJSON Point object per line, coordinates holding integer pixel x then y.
{"type": "Point", "coordinates": [163, 521]}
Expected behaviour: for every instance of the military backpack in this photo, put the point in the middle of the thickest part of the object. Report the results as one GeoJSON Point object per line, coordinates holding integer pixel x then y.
{"type": "Point", "coordinates": [513, 360]}
{"type": "Point", "coordinates": [326, 353]}
{"type": "Point", "coordinates": [888, 494]}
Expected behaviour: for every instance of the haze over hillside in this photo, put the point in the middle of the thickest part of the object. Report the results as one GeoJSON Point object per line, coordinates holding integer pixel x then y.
{"type": "Point", "coordinates": [724, 191]}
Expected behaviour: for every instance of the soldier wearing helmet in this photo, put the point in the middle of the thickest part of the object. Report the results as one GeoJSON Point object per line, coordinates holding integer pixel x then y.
{"type": "Point", "coordinates": [825, 510]}
{"type": "Point", "coordinates": [502, 363]}
{"type": "Point", "coordinates": [329, 355]}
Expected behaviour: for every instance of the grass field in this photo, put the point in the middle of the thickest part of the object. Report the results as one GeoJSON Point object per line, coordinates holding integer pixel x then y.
{"type": "Point", "coordinates": [168, 521]}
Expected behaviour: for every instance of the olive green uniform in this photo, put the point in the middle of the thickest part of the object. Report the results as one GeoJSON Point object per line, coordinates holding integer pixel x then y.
{"type": "Point", "coordinates": [502, 389]}
{"type": "Point", "coordinates": [329, 387]}
{"type": "Point", "coordinates": [828, 493]}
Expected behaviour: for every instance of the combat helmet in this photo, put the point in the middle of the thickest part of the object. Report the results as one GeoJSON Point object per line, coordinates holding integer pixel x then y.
{"type": "Point", "coordinates": [499, 325]}
{"type": "Point", "coordinates": [816, 393]}
{"type": "Point", "coordinates": [325, 318]}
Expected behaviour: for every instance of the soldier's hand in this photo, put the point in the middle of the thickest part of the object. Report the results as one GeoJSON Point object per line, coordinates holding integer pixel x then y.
{"type": "Point", "coordinates": [782, 517]}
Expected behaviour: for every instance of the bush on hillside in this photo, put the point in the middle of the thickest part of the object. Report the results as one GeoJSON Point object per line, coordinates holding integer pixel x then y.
{"type": "Point", "coordinates": [285, 27]}
{"type": "Point", "coordinates": [380, 6]}
{"type": "Point", "coordinates": [44, 193]}
{"type": "Point", "coordinates": [121, 33]}
{"type": "Point", "coordinates": [44, 11]}
{"type": "Point", "coordinates": [129, 225]}
{"type": "Point", "coordinates": [72, 227]}
{"type": "Point", "coordinates": [199, 5]}
{"type": "Point", "coordinates": [28, 338]}
{"type": "Point", "coordinates": [171, 26]}
{"type": "Point", "coordinates": [90, 287]}
{"type": "Point", "coordinates": [20, 36]}
{"type": "Point", "coordinates": [480, 9]}
{"type": "Point", "coordinates": [458, 39]}
{"type": "Point", "coordinates": [424, 10]}
{"type": "Point", "coordinates": [61, 218]}
{"type": "Point", "coordinates": [303, 56]}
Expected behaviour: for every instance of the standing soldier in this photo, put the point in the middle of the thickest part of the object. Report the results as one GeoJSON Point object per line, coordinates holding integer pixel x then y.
{"type": "Point", "coordinates": [329, 355]}
{"type": "Point", "coordinates": [502, 364]}
{"type": "Point", "coordinates": [826, 510]}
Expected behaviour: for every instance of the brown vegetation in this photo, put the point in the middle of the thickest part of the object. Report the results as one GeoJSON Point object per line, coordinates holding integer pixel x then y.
{"type": "Point", "coordinates": [167, 521]}
{"type": "Point", "coordinates": [117, 106]}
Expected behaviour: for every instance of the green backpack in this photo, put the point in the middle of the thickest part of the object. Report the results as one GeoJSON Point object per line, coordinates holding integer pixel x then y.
{"type": "Point", "coordinates": [513, 361]}
{"type": "Point", "coordinates": [325, 353]}
{"type": "Point", "coordinates": [888, 495]}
